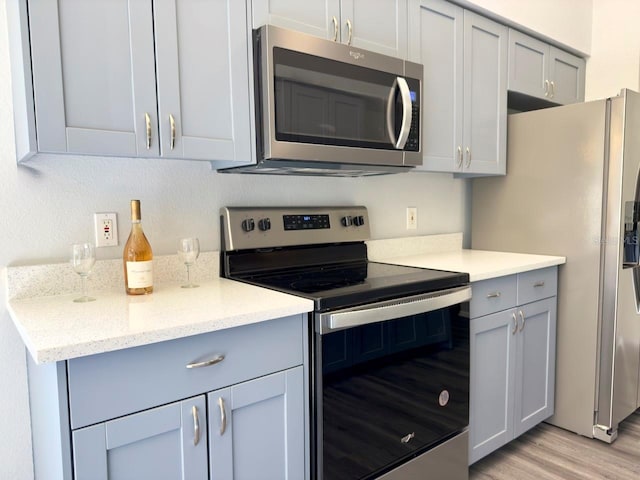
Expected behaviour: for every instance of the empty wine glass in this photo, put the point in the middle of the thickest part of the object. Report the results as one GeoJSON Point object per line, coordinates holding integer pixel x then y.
{"type": "Point", "coordinates": [83, 256]}
{"type": "Point", "coordinates": [188, 252]}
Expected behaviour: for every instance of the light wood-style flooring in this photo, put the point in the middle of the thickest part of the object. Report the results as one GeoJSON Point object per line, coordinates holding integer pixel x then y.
{"type": "Point", "coordinates": [550, 453]}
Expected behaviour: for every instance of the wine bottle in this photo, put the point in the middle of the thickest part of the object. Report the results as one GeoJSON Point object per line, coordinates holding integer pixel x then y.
{"type": "Point", "coordinates": [137, 257]}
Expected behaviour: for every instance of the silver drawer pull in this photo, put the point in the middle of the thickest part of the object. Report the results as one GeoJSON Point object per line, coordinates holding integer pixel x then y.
{"type": "Point", "coordinates": [515, 324]}
{"type": "Point", "coordinates": [493, 295]}
{"type": "Point", "coordinates": [206, 363]}
{"type": "Point", "coordinates": [539, 284]}
{"type": "Point", "coordinates": [223, 416]}
{"type": "Point", "coordinates": [522, 317]}
{"type": "Point", "coordinates": [196, 425]}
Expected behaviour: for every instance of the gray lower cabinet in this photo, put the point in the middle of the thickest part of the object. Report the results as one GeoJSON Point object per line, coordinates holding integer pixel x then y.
{"type": "Point", "coordinates": [254, 428]}
{"type": "Point", "coordinates": [226, 405]}
{"type": "Point", "coordinates": [465, 90]}
{"type": "Point", "coordinates": [512, 357]}
{"type": "Point", "coordinates": [543, 71]}
{"type": "Point", "coordinates": [140, 78]}
{"type": "Point", "coordinates": [380, 27]}
{"type": "Point", "coordinates": [164, 442]}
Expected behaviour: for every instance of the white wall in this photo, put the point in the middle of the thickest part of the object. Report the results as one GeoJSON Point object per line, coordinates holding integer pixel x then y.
{"type": "Point", "coordinates": [615, 48]}
{"type": "Point", "coordinates": [565, 21]}
{"type": "Point", "coordinates": [48, 203]}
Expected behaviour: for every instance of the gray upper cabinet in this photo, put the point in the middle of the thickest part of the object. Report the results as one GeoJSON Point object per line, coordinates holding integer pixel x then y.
{"type": "Point", "coordinates": [93, 76]}
{"type": "Point", "coordinates": [465, 90]}
{"type": "Point", "coordinates": [143, 79]}
{"type": "Point", "coordinates": [203, 79]}
{"type": "Point", "coordinates": [542, 71]}
{"type": "Point", "coordinates": [380, 27]}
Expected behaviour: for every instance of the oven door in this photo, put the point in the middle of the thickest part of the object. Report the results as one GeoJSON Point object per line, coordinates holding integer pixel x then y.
{"type": "Point", "coordinates": [325, 101]}
{"type": "Point", "coordinates": [391, 381]}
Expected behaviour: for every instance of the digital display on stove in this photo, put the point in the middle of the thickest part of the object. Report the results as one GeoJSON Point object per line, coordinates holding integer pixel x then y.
{"type": "Point", "coordinates": [305, 222]}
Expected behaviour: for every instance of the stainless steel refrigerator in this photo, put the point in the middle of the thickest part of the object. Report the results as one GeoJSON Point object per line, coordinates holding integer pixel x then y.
{"type": "Point", "coordinates": [572, 189]}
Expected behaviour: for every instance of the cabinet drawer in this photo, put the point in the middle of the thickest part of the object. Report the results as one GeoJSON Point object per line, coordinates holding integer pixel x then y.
{"type": "Point", "coordinates": [493, 295]}
{"type": "Point", "coordinates": [117, 383]}
{"type": "Point", "coordinates": [537, 284]}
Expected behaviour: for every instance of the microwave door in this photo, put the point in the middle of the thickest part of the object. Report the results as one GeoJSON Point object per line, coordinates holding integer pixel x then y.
{"type": "Point", "coordinates": [399, 107]}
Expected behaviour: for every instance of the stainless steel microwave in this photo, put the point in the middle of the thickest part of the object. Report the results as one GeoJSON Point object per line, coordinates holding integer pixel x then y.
{"type": "Point", "coordinates": [326, 108]}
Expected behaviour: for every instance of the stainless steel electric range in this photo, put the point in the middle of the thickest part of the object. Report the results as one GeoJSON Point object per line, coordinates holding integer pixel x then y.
{"type": "Point", "coordinates": [389, 344]}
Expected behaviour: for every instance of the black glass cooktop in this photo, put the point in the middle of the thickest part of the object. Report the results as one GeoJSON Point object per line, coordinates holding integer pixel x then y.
{"type": "Point", "coordinates": [341, 285]}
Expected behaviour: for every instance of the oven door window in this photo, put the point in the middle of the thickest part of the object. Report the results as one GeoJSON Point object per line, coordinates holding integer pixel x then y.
{"type": "Point", "coordinates": [323, 101]}
{"type": "Point", "coordinates": [391, 390]}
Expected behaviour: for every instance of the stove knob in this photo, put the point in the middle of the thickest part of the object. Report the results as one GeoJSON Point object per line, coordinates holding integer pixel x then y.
{"type": "Point", "coordinates": [346, 221]}
{"type": "Point", "coordinates": [264, 224]}
{"type": "Point", "coordinates": [358, 221]}
{"type": "Point", "coordinates": [248, 225]}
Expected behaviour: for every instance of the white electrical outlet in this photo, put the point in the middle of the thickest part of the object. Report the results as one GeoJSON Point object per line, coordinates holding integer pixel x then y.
{"type": "Point", "coordinates": [106, 229]}
{"type": "Point", "coordinates": [412, 218]}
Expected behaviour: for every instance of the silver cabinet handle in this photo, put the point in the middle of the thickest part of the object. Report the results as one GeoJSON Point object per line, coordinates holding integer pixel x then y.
{"type": "Point", "coordinates": [196, 425]}
{"type": "Point", "coordinates": [546, 88]}
{"type": "Point", "coordinates": [172, 123]}
{"type": "Point", "coordinates": [515, 324]}
{"type": "Point", "coordinates": [553, 89]}
{"type": "Point", "coordinates": [468, 157]}
{"type": "Point", "coordinates": [223, 416]}
{"type": "Point", "coordinates": [522, 317]}
{"type": "Point", "coordinates": [147, 119]}
{"type": "Point", "coordinates": [539, 284]}
{"type": "Point", "coordinates": [335, 29]}
{"type": "Point", "coordinates": [493, 295]}
{"type": "Point", "coordinates": [206, 363]}
{"type": "Point", "coordinates": [459, 157]}
{"type": "Point", "coordinates": [350, 28]}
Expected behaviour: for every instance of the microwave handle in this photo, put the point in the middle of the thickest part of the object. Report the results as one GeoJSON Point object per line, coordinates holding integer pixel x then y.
{"type": "Point", "coordinates": [400, 84]}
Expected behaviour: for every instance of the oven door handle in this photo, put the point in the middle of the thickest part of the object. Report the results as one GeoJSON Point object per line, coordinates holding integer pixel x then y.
{"type": "Point", "coordinates": [388, 310]}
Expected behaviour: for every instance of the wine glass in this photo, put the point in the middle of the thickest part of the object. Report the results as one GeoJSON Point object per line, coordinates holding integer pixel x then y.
{"type": "Point", "coordinates": [83, 256]}
{"type": "Point", "coordinates": [188, 252]}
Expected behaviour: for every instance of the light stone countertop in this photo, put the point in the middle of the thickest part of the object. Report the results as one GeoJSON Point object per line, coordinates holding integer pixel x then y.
{"type": "Point", "coordinates": [479, 264]}
{"type": "Point", "coordinates": [55, 328]}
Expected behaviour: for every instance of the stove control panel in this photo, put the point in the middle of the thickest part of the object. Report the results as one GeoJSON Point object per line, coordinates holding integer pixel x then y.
{"type": "Point", "coordinates": [268, 227]}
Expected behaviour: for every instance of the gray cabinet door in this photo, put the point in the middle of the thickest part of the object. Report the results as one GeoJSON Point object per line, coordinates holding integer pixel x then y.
{"type": "Point", "coordinates": [168, 442]}
{"type": "Point", "coordinates": [528, 65]}
{"type": "Point", "coordinates": [256, 428]}
{"type": "Point", "coordinates": [535, 377]}
{"type": "Point", "coordinates": [203, 79]}
{"type": "Point", "coordinates": [542, 71]}
{"type": "Point", "coordinates": [315, 17]}
{"type": "Point", "coordinates": [492, 375]}
{"type": "Point", "coordinates": [436, 41]}
{"type": "Point", "coordinates": [485, 95]}
{"type": "Point", "coordinates": [567, 72]}
{"type": "Point", "coordinates": [379, 26]}
{"type": "Point", "coordinates": [94, 76]}
{"type": "Point", "coordinates": [464, 97]}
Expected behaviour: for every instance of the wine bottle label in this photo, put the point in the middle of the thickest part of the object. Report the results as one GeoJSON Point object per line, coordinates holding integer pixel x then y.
{"type": "Point", "coordinates": [140, 274]}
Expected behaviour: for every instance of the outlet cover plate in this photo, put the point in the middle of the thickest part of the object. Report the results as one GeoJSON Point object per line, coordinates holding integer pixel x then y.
{"type": "Point", "coordinates": [106, 229]}
{"type": "Point", "coordinates": [412, 218]}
